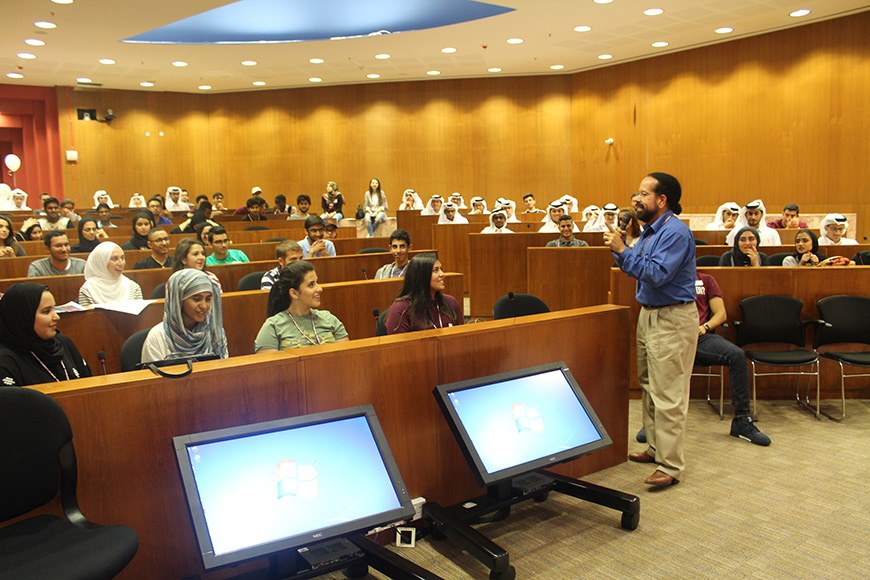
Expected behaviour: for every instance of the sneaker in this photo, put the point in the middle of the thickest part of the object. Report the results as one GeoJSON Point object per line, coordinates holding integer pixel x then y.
{"type": "Point", "coordinates": [641, 435]}
{"type": "Point", "coordinates": [744, 427]}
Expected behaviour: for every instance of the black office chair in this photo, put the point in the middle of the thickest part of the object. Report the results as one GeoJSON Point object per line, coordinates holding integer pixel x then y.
{"type": "Point", "coordinates": [279, 240]}
{"type": "Point", "coordinates": [255, 228]}
{"type": "Point", "coordinates": [776, 259]}
{"type": "Point", "coordinates": [701, 242]}
{"type": "Point", "coordinates": [862, 258]}
{"type": "Point", "coordinates": [159, 291]}
{"type": "Point", "coordinates": [513, 305]}
{"type": "Point", "coordinates": [374, 251]}
{"type": "Point", "coordinates": [707, 261]}
{"type": "Point", "coordinates": [847, 320]}
{"type": "Point", "coordinates": [131, 350]}
{"type": "Point", "coordinates": [38, 459]}
{"type": "Point", "coordinates": [776, 319]}
{"type": "Point", "coordinates": [251, 281]}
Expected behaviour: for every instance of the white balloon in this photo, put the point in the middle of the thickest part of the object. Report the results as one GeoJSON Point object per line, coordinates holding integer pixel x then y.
{"type": "Point", "coordinates": [5, 194]}
{"type": "Point", "coordinates": [13, 162]}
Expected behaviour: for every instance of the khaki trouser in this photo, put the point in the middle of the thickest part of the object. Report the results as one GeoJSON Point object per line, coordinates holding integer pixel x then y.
{"type": "Point", "coordinates": [666, 342]}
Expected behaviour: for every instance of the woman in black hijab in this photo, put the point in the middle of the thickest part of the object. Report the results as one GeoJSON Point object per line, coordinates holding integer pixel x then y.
{"type": "Point", "coordinates": [32, 351]}
{"type": "Point", "coordinates": [142, 224]}
{"type": "Point", "coordinates": [90, 236]}
{"type": "Point", "coordinates": [745, 251]}
{"type": "Point", "coordinates": [806, 251]}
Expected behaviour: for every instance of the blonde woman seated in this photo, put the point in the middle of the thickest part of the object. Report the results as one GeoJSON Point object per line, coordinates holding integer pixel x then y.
{"type": "Point", "coordinates": [105, 282]}
{"type": "Point", "coordinates": [293, 319]}
{"type": "Point", "coordinates": [192, 320]}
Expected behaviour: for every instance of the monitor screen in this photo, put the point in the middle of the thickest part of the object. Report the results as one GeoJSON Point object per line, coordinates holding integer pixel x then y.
{"type": "Point", "coordinates": [512, 423]}
{"type": "Point", "coordinates": [268, 487]}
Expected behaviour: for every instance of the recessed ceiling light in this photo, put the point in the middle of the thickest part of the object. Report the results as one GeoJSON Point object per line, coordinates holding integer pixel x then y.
{"type": "Point", "coordinates": [514, 40]}
{"type": "Point", "coordinates": [448, 50]}
{"type": "Point", "coordinates": [44, 24]}
{"type": "Point", "coordinates": [179, 63]}
{"type": "Point", "coordinates": [249, 63]}
{"type": "Point", "coordinates": [204, 87]}
{"type": "Point", "coordinates": [603, 1]}
{"type": "Point", "coordinates": [433, 73]}
{"type": "Point", "coordinates": [799, 13]}
{"type": "Point", "coordinates": [605, 56]}
{"type": "Point", "coordinates": [34, 42]}
{"type": "Point", "coordinates": [373, 76]}
{"type": "Point", "coordinates": [26, 55]}
{"type": "Point", "coordinates": [724, 30]}
{"type": "Point", "coordinates": [382, 56]}
{"type": "Point", "coordinates": [557, 67]}
{"type": "Point", "coordinates": [106, 61]}
{"type": "Point", "coordinates": [316, 60]}
{"type": "Point", "coordinates": [315, 80]}
{"type": "Point", "coordinates": [653, 11]}
{"type": "Point", "coordinates": [146, 84]}
{"type": "Point", "coordinates": [15, 75]}
{"type": "Point", "coordinates": [582, 28]}
{"type": "Point", "coordinates": [659, 44]}
{"type": "Point", "coordinates": [84, 80]}
{"type": "Point", "coordinates": [494, 69]}
{"type": "Point", "coordinates": [259, 83]}
{"type": "Point", "coordinates": [62, 1]}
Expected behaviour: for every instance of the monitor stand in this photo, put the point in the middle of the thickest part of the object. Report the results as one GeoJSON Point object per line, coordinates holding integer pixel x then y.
{"type": "Point", "coordinates": [354, 553]}
{"type": "Point", "coordinates": [454, 522]}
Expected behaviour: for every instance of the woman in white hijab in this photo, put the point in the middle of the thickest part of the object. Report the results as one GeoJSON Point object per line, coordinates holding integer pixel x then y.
{"type": "Point", "coordinates": [433, 206]}
{"type": "Point", "coordinates": [137, 200]}
{"type": "Point", "coordinates": [410, 200]}
{"type": "Point", "coordinates": [726, 217]}
{"type": "Point", "coordinates": [100, 196]}
{"type": "Point", "coordinates": [105, 282]}
{"type": "Point", "coordinates": [478, 206]}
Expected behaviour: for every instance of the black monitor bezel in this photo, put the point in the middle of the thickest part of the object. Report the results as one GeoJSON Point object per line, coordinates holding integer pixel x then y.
{"type": "Point", "coordinates": [483, 477]}
{"type": "Point", "coordinates": [211, 561]}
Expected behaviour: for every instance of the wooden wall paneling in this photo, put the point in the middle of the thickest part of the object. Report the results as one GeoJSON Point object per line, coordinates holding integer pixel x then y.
{"type": "Point", "coordinates": [569, 277]}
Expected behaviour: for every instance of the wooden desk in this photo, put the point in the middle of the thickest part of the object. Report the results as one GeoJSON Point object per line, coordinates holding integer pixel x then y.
{"type": "Point", "coordinates": [497, 265]}
{"type": "Point", "coordinates": [244, 313]}
{"type": "Point", "coordinates": [123, 424]}
{"type": "Point", "coordinates": [806, 284]}
{"type": "Point", "coordinates": [567, 278]}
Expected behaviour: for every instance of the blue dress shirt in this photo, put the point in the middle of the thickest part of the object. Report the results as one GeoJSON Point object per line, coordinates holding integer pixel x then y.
{"type": "Point", "coordinates": [663, 262]}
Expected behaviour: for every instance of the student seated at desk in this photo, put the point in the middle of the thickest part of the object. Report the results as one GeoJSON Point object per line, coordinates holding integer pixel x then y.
{"type": "Point", "coordinates": [806, 251]}
{"type": "Point", "coordinates": [293, 321]}
{"type": "Point", "coordinates": [745, 251]}
{"type": "Point", "coordinates": [222, 253]}
{"type": "Point", "coordinates": [90, 236]}
{"type": "Point", "coordinates": [313, 245]}
{"type": "Point", "coordinates": [421, 305]}
{"type": "Point", "coordinates": [566, 239]}
{"type": "Point", "coordinates": [32, 351]}
{"type": "Point", "coordinates": [142, 223]}
{"type": "Point", "coordinates": [285, 252]}
{"type": "Point", "coordinates": [30, 231]}
{"type": "Point", "coordinates": [400, 245]}
{"type": "Point", "coordinates": [497, 221]}
{"type": "Point", "coordinates": [192, 320]}
{"type": "Point", "coordinates": [104, 278]}
{"type": "Point", "coordinates": [8, 247]}
{"type": "Point", "coordinates": [158, 241]}
{"type": "Point", "coordinates": [58, 262]}
{"type": "Point", "coordinates": [190, 254]}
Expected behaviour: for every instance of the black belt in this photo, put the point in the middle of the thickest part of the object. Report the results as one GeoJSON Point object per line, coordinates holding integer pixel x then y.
{"type": "Point", "coordinates": [648, 307]}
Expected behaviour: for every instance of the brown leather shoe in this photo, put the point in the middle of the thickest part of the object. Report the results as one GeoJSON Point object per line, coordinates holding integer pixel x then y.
{"type": "Point", "coordinates": [661, 478]}
{"type": "Point", "coordinates": [642, 457]}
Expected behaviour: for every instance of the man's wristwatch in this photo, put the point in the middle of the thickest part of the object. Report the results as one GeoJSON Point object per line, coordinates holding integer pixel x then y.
{"type": "Point", "coordinates": [707, 326]}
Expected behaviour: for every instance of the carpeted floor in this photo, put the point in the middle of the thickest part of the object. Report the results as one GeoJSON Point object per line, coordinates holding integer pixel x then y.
{"type": "Point", "coordinates": [797, 509]}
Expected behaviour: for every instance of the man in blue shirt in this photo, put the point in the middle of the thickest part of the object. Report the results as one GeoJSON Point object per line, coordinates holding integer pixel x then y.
{"type": "Point", "coordinates": [663, 263]}
{"type": "Point", "coordinates": [313, 245]}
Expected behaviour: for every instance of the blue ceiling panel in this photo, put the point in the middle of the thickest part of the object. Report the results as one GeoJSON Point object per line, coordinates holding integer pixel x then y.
{"type": "Point", "coordinates": [272, 21]}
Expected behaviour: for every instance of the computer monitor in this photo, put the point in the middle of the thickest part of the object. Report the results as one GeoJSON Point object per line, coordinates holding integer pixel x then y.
{"type": "Point", "coordinates": [516, 422]}
{"type": "Point", "coordinates": [266, 488]}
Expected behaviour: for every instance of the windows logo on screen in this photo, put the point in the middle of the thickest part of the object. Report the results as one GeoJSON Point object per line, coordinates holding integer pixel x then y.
{"type": "Point", "coordinates": [296, 480]}
{"type": "Point", "coordinates": [528, 418]}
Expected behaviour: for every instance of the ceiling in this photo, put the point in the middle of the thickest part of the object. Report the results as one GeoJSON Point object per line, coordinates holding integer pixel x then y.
{"type": "Point", "coordinates": [89, 30]}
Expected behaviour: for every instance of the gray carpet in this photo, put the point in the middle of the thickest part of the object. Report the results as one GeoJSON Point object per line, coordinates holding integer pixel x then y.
{"type": "Point", "coordinates": [796, 509]}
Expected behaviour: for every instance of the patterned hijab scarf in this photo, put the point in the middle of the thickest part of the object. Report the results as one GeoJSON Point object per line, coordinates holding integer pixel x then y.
{"type": "Point", "coordinates": [208, 336]}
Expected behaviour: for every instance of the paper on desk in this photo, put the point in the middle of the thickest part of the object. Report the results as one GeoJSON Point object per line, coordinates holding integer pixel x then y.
{"type": "Point", "coordinates": [71, 307]}
{"type": "Point", "coordinates": [129, 307]}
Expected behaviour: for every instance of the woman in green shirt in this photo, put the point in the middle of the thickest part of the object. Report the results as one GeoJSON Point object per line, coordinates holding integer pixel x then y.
{"type": "Point", "coordinates": [293, 319]}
